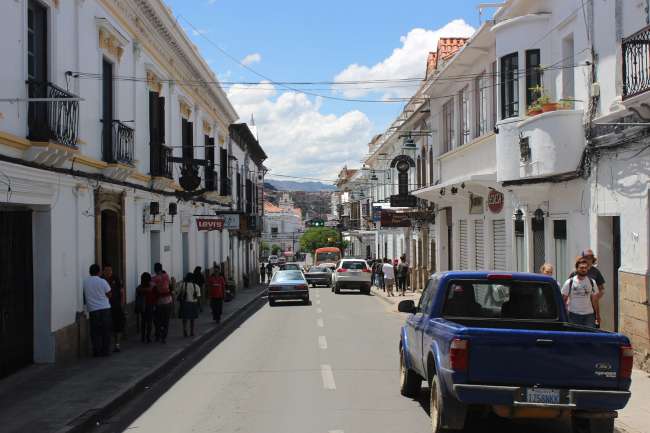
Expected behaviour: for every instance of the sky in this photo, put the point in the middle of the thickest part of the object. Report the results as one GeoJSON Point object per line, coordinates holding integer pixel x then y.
{"type": "Point", "coordinates": [255, 46]}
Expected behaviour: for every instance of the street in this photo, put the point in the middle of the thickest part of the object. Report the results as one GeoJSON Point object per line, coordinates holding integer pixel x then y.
{"type": "Point", "coordinates": [328, 367]}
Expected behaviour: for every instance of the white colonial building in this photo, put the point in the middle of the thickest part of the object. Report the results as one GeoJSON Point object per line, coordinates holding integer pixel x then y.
{"type": "Point", "coordinates": [283, 225]}
{"type": "Point", "coordinates": [100, 94]}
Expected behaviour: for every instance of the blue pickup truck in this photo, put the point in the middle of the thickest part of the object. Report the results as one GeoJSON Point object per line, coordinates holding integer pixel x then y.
{"type": "Point", "coordinates": [499, 342]}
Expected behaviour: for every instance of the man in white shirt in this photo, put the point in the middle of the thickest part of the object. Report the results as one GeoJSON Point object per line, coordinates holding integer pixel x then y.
{"type": "Point", "coordinates": [389, 276]}
{"type": "Point", "coordinates": [579, 293]}
{"type": "Point", "coordinates": [96, 296]}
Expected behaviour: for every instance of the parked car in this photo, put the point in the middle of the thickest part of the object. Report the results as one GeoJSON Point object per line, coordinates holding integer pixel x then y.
{"type": "Point", "coordinates": [273, 259]}
{"type": "Point", "coordinates": [488, 342]}
{"type": "Point", "coordinates": [288, 285]}
{"type": "Point", "coordinates": [319, 275]}
{"type": "Point", "coordinates": [282, 260]}
{"type": "Point", "coordinates": [290, 267]}
{"type": "Point", "coordinates": [352, 274]}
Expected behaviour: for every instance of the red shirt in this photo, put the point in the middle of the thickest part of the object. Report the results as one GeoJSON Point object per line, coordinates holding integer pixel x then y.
{"type": "Point", "coordinates": [161, 281]}
{"type": "Point", "coordinates": [217, 285]}
{"type": "Point", "coordinates": [148, 293]}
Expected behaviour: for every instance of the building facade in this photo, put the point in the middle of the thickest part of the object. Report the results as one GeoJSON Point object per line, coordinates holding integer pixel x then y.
{"type": "Point", "coordinates": [109, 152]}
{"type": "Point", "coordinates": [283, 225]}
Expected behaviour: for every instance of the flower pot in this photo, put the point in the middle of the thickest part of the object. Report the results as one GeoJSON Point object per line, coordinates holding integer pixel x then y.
{"type": "Point", "coordinates": [534, 111]}
{"type": "Point", "coordinates": [549, 106]}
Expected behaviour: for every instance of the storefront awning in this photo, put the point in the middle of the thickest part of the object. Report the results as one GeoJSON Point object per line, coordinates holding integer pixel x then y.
{"type": "Point", "coordinates": [432, 193]}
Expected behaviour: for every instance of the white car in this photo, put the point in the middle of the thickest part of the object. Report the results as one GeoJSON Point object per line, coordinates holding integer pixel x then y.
{"type": "Point", "coordinates": [352, 274]}
{"type": "Point", "coordinates": [273, 259]}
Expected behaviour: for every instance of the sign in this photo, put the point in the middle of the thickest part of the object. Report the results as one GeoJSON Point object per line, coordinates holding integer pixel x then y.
{"type": "Point", "coordinates": [495, 201]}
{"type": "Point", "coordinates": [209, 224]}
{"type": "Point", "coordinates": [475, 204]}
{"type": "Point", "coordinates": [422, 216]}
{"type": "Point", "coordinates": [230, 221]}
{"type": "Point", "coordinates": [401, 200]}
{"type": "Point", "coordinates": [376, 214]}
{"type": "Point", "coordinates": [394, 219]}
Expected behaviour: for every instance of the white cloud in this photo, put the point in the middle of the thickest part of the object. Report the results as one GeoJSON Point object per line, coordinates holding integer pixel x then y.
{"type": "Point", "coordinates": [298, 138]}
{"type": "Point", "coordinates": [407, 61]}
{"type": "Point", "coordinates": [252, 58]}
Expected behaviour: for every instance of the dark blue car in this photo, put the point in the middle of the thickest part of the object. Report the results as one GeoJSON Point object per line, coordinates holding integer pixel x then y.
{"type": "Point", "coordinates": [498, 342]}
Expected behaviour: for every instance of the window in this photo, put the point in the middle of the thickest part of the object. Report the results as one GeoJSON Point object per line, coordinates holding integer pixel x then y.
{"type": "Point", "coordinates": [463, 105]}
{"type": "Point", "coordinates": [509, 86]}
{"type": "Point", "coordinates": [520, 246]}
{"type": "Point", "coordinates": [286, 276]}
{"type": "Point", "coordinates": [355, 266]}
{"type": "Point", "coordinates": [568, 71]}
{"type": "Point", "coordinates": [107, 110]}
{"type": "Point", "coordinates": [482, 105]}
{"type": "Point", "coordinates": [449, 131]}
{"type": "Point", "coordinates": [36, 42]}
{"type": "Point", "coordinates": [187, 132]}
{"type": "Point", "coordinates": [560, 238]}
{"type": "Point", "coordinates": [533, 76]}
{"type": "Point", "coordinates": [428, 295]}
{"type": "Point", "coordinates": [501, 300]}
{"type": "Point", "coordinates": [224, 188]}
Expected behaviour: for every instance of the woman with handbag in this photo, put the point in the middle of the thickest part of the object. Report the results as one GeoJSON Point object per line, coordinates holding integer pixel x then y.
{"type": "Point", "coordinates": [189, 294]}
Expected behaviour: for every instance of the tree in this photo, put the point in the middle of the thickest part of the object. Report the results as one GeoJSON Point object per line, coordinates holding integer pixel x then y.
{"type": "Point", "coordinates": [276, 249]}
{"type": "Point", "coordinates": [265, 247]}
{"type": "Point", "coordinates": [319, 237]}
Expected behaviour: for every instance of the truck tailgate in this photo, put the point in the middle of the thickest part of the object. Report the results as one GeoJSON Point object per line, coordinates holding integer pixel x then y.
{"type": "Point", "coordinates": [544, 358]}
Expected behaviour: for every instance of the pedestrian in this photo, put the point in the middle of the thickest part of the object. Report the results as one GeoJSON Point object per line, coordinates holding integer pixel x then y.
{"type": "Point", "coordinates": [262, 273]}
{"type": "Point", "coordinates": [389, 277]}
{"type": "Point", "coordinates": [402, 274]}
{"type": "Point", "coordinates": [373, 272]}
{"type": "Point", "coordinates": [546, 269]}
{"type": "Point", "coordinates": [117, 297]}
{"type": "Point", "coordinates": [96, 293]}
{"type": "Point", "coordinates": [580, 293]}
{"type": "Point", "coordinates": [217, 285]}
{"type": "Point", "coordinates": [164, 302]}
{"type": "Point", "coordinates": [269, 271]}
{"type": "Point", "coordinates": [594, 274]}
{"type": "Point", "coordinates": [380, 274]}
{"type": "Point", "coordinates": [199, 280]}
{"type": "Point", "coordinates": [189, 295]}
{"type": "Point", "coordinates": [145, 291]}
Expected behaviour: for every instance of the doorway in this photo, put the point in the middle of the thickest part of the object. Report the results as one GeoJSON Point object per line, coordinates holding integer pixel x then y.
{"type": "Point", "coordinates": [109, 231]}
{"type": "Point", "coordinates": [450, 239]}
{"type": "Point", "coordinates": [609, 262]}
{"type": "Point", "coordinates": [16, 291]}
{"type": "Point", "coordinates": [155, 248]}
{"type": "Point", "coordinates": [111, 240]}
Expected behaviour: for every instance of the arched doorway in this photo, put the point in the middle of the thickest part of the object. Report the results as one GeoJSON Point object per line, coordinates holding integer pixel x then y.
{"type": "Point", "coordinates": [109, 231]}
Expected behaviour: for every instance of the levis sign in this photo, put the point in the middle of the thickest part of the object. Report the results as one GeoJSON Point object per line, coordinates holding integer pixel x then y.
{"type": "Point", "coordinates": [209, 224]}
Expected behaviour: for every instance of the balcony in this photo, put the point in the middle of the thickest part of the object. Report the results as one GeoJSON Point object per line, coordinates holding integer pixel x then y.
{"type": "Point", "coordinates": [161, 166]}
{"type": "Point", "coordinates": [122, 148]}
{"type": "Point", "coordinates": [636, 63]}
{"type": "Point", "coordinates": [56, 121]}
{"type": "Point", "coordinates": [546, 145]}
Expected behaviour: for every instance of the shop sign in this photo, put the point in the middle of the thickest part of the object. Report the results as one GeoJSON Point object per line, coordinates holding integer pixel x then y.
{"type": "Point", "coordinates": [495, 201]}
{"type": "Point", "coordinates": [394, 219]}
{"type": "Point", "coordinates": [475, 204]}
{"type": "Point", "coordinates": [401, 200]}
{"type": "Point", "coordinates": [376, 214]}
{"type": "Point", "coordinates": [209, 224]}
{"type": "Point", "coordinates": [230, 221]}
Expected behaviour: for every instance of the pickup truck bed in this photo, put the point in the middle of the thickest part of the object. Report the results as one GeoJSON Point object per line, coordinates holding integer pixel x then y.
{"type": "Point", "coordinates": [519, 368]}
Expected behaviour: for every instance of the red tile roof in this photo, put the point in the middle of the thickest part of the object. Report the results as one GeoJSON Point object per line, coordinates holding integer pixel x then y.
{"type": "Point", "coordinates": [446, 49]}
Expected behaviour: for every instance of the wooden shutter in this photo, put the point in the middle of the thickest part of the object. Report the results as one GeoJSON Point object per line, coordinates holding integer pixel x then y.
{"type": "Point", "coordinates": [479, 245]}
{"type": "Point", "coordinates": [499, 245]}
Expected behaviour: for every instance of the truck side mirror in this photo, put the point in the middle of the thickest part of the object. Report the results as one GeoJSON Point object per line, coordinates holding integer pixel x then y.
{"type": "Point", "coordinates": [407, 306]}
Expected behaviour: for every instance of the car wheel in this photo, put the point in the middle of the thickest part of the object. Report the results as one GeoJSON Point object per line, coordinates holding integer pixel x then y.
{"type": "Point", "coordinates": [337, 289]}
{"type": "Point", "coordinates": [271, 303]}
{"type": "Point", "coordinates": [409, 381]}
{"type": "Point", "coordinates": [306, 301]}
{"type": "Point", "coordinates": [436, 406]}
{"type": "Point", "coordinates": [587, 425]}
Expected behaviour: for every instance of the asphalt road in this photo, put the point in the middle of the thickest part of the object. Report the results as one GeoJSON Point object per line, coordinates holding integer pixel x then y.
{"type": "Point", "coordinates": [329, 367]}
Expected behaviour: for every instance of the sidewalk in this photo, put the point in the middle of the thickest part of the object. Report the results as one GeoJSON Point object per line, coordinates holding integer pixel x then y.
{"type": "Point", "coordinates": [53, 398]}
{"type": "Point", "coordinates": [633, 419]}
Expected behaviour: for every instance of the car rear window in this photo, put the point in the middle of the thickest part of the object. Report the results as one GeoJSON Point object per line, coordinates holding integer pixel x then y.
{"type": "Point", "coordinates": [502, 300]}
{"type": "Point", "coordinates": [318, 269]}
{"type": "Point", "coordinates": [283, 276]}
{"type": "Point", "coordinates": [354, 265]}
{"type": "Point", "coordinates": [291, 266]}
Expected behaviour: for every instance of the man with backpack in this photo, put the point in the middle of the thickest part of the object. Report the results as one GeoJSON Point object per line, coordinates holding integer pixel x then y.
{"type": "Point", "coordinates": [580, 293]}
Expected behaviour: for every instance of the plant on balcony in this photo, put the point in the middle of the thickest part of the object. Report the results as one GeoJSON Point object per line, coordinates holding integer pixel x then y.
{"type": "Point", "coordinates": [544, 100]}
{"type": "Point", "coordinates": [566, 104]}
{"type": "Point", "coordinates": [535, 109]}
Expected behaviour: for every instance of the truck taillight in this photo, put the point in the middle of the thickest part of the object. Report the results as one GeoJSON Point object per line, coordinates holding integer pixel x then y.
{"type": "Point", "coordinates": [626, 362]}
{"type": "Point", "coordinates": [341, 270]}
{"type": "Point", "coordinates": [302, 287]}
{"type": "Point", "coordinates": [459, 355]}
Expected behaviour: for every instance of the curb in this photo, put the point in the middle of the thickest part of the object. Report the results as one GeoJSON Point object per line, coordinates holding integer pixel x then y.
{"type": "Point", "coordinates": [94, 416]}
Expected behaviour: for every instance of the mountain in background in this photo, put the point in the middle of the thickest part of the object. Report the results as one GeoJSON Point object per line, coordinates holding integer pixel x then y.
{"type": "Point", "coordinates": [290, 185]}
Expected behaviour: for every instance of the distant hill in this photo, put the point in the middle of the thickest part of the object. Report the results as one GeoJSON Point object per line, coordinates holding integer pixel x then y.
{"type": "Point", "coordinates": [290, 185]}
{"type": "Point", "coordinates": [268, 186]}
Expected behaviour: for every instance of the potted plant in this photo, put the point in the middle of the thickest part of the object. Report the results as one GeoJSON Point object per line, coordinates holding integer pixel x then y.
{"type": "Point", "coordinates": [544, 100]}
{"type": "Point", "coordinates": [535, 109]}
{"type": "Point", "coordinates": [566, 104]}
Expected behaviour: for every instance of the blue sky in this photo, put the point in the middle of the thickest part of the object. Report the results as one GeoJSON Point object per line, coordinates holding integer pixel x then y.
{"type": "Point", "coordinates": [319, 41]}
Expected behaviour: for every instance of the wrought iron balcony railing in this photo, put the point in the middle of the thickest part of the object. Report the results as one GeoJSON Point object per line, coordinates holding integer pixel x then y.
{"type": "Point", "coordinates": [226, 186]}
{"type": "Point", "coordinates": [122, 148]}
{"type": "Point", "coordinates": [52, 120]}
{"type": "Point", "coordinates": [636, 63]}
{"type": "Point", "coordinates": [161, 166]}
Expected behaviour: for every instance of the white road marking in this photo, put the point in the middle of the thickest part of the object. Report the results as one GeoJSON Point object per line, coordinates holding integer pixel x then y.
{"type": "Point", "coordinates": [319, 310]}
{"type": "Point", "coordinates": [322, 342]}
{"type": "Point", "coordinates": [328, 376]}
{"type": "Point", "coordinates": [336, 431]}
{"type": "Point", "coordinates": [320, 323]}
{"type": "Point", "coordinates": [318, 302]}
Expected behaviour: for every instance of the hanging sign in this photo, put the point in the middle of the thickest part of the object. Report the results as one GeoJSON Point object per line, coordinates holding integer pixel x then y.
{"type": "Point", "coordinates": [209, 224]}
{"type": "Point", "coordinates": [394, 219]}
{"type": "Point", "coordinates": [230, 221]}
{"type": "Point", "coordinates": [495, 201]}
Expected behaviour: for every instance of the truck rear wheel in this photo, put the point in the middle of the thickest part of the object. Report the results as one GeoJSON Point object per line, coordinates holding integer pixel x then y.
{"type": "Point", "coordinates": [409, 381]}
{"type": "Point", "coordinates": [435, 404]}
{"type": "Point", "coordinates": [589, 425]}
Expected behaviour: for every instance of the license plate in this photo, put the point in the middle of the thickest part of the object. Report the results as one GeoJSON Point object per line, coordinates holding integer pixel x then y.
{"type": "Point", "coordinates": [543, 395]}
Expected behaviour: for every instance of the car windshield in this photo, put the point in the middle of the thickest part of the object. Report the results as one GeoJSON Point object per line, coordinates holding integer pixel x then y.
{"type": "Point", "coordinates": [327, 257]}
{"type": "Point", "coordinates": [358, 265]}
{"type": "Point", "coordinates": [291, 266]}
{"type": "Point", "coordinates": [318, 269]}
{"type": "Point", "coordinates": [511, 300]}
{"type": "Point", "coordinates": [284, 276]}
